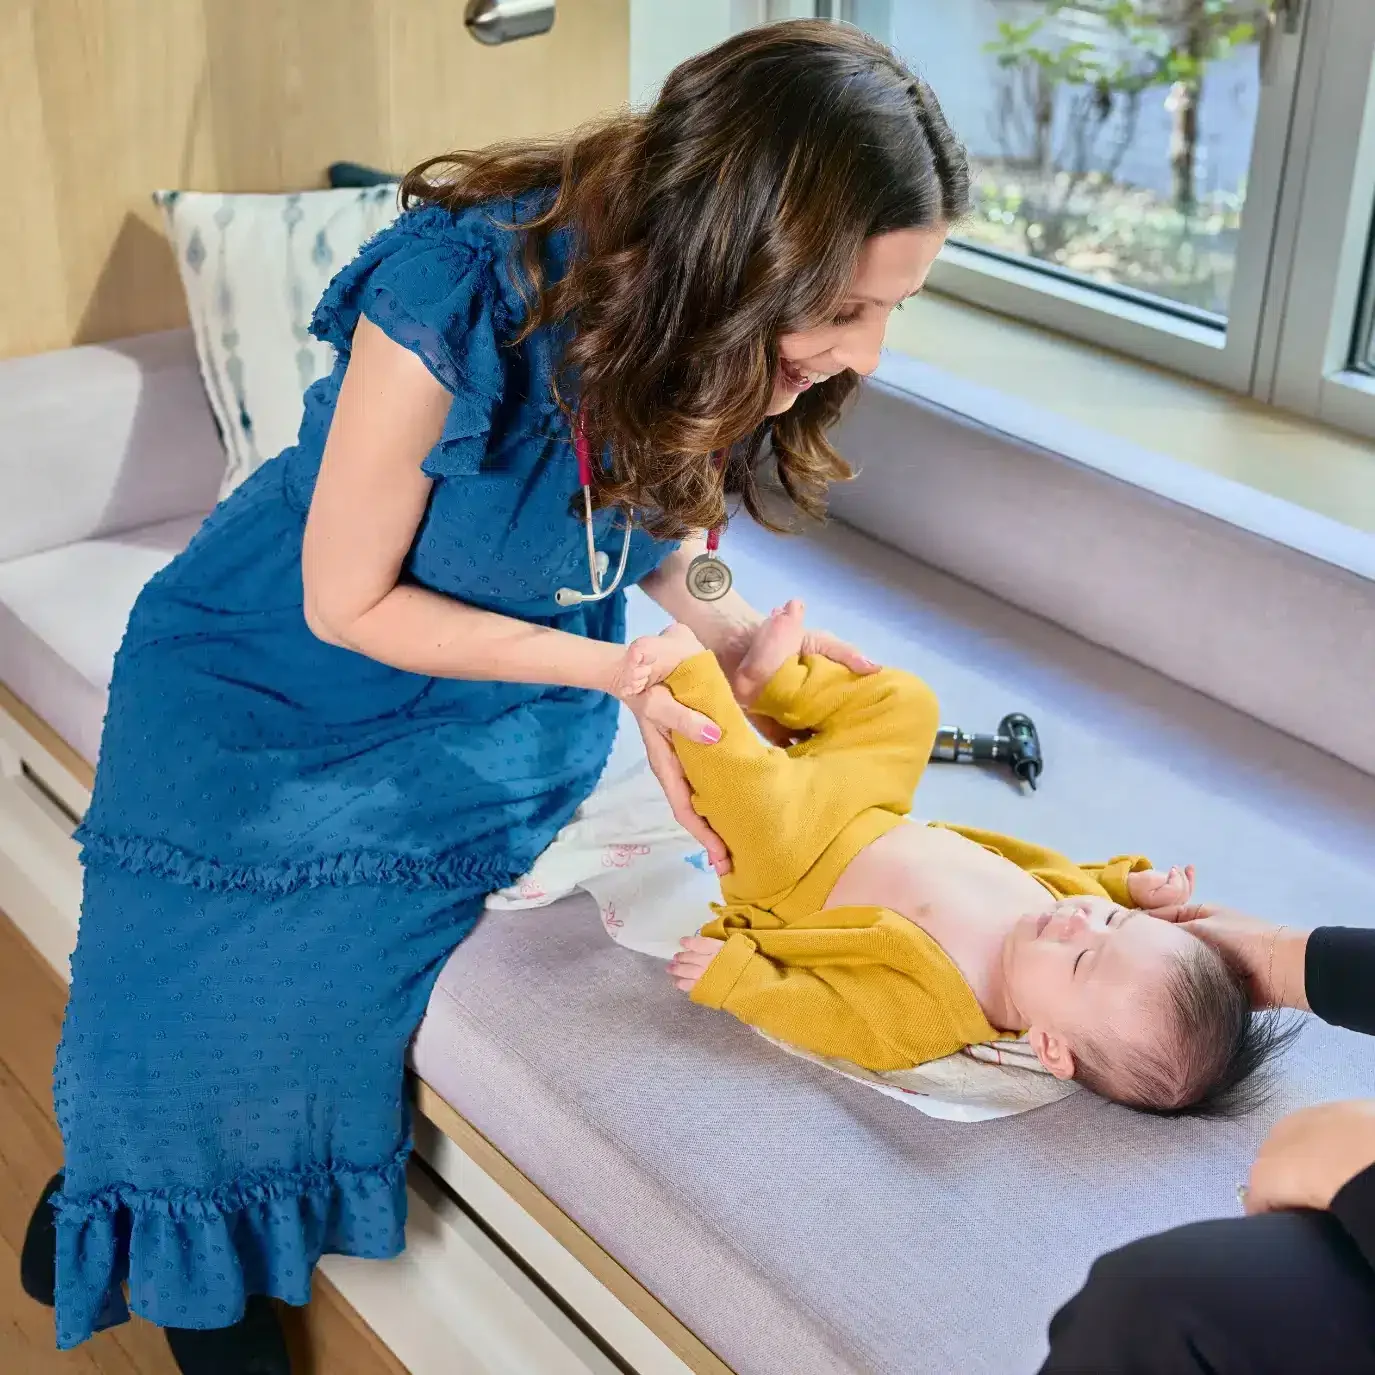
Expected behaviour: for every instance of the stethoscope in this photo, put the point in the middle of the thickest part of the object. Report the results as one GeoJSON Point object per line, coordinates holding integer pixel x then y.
{"type": "Point", "coordinates": [708, 577]}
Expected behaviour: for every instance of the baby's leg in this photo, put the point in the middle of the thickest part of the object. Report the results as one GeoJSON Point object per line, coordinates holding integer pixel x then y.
{"type": "Point", "coordinates": [762, 802]}
{"type": "Point", "coordinates": [870, 738]}
{"type": "Point", "coordinates": [886, 721]}
{"type": "Point", "coordinates": [651, 659]}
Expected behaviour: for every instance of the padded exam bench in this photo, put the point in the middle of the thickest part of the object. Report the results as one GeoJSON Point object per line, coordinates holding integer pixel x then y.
{"type": "Point", "coordinates": [796, 1223]}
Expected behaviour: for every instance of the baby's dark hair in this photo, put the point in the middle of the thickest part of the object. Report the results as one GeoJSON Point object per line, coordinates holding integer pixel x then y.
{"type": "Point", "coordinates": [1214, 1058]}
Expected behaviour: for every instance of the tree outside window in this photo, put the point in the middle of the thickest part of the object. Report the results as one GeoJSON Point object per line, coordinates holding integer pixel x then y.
{"type": "Point", "coordinates": [1076, 175]}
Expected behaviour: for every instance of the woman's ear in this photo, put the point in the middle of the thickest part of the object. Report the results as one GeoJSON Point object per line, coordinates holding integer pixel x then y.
{"type": "Point", "coordinates": [1053, 1051]}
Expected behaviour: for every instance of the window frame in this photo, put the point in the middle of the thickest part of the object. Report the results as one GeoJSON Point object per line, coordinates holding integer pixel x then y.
{"type": "Point", "coordinates": [1319, 305]}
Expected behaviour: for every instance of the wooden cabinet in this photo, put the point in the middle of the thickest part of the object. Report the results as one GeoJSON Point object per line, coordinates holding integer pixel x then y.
{"type": "Point", "coordinates": [104, 101]}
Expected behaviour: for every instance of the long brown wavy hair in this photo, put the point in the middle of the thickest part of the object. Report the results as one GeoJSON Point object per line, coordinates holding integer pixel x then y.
{"type": "Point", "coordinates": [732, 211]}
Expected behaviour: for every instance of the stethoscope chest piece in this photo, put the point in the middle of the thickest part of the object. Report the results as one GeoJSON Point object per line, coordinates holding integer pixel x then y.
{"type": "Point", "coordinates": [708, 578]}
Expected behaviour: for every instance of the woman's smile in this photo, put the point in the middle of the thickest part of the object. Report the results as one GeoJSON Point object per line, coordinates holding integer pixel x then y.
{"type": "Point", "coordinates": [796, 378]}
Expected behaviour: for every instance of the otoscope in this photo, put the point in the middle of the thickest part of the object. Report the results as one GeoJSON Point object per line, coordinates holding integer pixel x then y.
{"type": "Point", "coordinates": [1015, 744]}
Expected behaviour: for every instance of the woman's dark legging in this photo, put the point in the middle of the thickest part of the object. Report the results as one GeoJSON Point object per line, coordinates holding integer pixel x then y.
{"type": "Point", "coordinates": [1277, 1294]}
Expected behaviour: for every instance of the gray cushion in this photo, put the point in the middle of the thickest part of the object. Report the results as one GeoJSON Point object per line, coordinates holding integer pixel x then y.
{"type": "Point", "coordinates": [801, 1223]}
{"type": "Point", "coordinates": [62, 616]}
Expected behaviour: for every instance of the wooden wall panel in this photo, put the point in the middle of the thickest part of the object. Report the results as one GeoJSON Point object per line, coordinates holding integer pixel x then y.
{"type": "Point", "coordinates": [510, 91]}
{"type": "Point", "coordinates": [104, 101]}
{"type": "Point", "coordinates": [30, 251]}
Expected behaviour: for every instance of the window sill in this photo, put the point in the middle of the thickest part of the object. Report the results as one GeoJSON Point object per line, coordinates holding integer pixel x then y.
{"type": "Point", "coordinates": [1279, 476]}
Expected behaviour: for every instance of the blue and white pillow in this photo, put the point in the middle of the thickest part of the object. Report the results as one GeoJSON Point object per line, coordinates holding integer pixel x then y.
{"type": "Point", "coordinates": [253, 268]}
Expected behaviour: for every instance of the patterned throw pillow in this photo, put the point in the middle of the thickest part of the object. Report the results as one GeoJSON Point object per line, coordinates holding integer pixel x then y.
{"type": "Point", "coordinates": [253, 268]}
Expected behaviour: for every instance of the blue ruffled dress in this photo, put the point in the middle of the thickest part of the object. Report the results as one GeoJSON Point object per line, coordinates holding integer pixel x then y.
{"type": "Point", "coordinates": [287, 839]}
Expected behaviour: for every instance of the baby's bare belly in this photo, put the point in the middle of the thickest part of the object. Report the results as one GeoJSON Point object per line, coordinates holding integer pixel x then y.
{"type": "Point", "coordinates": [938, 879]}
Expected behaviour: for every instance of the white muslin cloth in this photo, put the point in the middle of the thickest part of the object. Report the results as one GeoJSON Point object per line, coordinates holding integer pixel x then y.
{"type": "Point", "coordinates": [653, 886]}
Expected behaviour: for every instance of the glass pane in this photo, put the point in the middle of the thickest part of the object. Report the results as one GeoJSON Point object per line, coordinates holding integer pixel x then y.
{"type": "Point", "coordinates": [1363, 346]}
{"type": "Point", "coordinates": [1111, 138]}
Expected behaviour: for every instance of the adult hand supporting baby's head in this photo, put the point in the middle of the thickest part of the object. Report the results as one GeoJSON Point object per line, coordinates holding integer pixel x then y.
{"type": "Point", "coordinates": [1271, 957]}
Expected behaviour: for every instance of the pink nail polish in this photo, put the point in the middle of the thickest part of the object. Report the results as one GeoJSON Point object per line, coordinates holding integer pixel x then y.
{"type": "Point", "coordinates": [711, 735]}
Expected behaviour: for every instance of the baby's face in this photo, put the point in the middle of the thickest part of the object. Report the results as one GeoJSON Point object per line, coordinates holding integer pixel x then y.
{"type": "Point", "coordinates": [1090, 969]}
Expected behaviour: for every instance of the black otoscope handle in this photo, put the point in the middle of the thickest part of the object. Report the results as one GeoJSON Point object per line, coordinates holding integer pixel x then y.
{"type": "Point", "coordinates": [1023, 746]}
{"type": "Point", "coordinates": [1016, 744]}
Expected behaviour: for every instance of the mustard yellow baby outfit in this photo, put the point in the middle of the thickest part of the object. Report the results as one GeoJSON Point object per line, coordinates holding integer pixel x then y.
{"type": "Point", "coordinates": [860, 983]}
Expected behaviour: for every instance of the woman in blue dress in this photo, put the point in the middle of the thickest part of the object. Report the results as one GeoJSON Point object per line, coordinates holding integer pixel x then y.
{"type": "Point", "coordinates": [355, 704]}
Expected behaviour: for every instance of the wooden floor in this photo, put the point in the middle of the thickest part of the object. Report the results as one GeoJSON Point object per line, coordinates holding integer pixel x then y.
{"type": "Point", "coordinates": [328, 1338]}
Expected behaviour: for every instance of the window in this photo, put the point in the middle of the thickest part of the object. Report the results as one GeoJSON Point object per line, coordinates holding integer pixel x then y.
{"type": "Point", "coordinates": [1126, 179]}
{"type": "Point", "coordinates": [1110, 142]}
{"type": "Point", "coordinates": [1189, 181]}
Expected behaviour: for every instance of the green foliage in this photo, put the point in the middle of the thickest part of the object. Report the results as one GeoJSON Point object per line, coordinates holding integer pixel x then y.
{"type": "Point", "coordinates": [1087, 97]}
{"type": "Point", "coordinates": [1161, 50]}
{"type": "Point", "coordinates": [1120, 235]}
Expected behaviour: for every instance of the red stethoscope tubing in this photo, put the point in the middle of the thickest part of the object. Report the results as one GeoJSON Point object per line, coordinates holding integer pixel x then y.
{"type": "Point", "coordinates": [708, 578]}
{"type": "Point", "coordinates": [584, 457]}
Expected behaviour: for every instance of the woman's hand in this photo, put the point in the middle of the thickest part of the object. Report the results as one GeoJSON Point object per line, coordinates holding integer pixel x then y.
{"type": "Point", "coordinates": [638, 683]}
{"type": "Point", "coordinates": [1270, 957]}
{"type": "Point", "coordinates": [733, 648]}
{"type": "Point", "coordinates": [692, 959]}
{"type": "Point", "coordinates": [827, 646]}
{"type": "Point", "coordinates": [727, 627]}
{"type": "Point", "coordinates": [731, 654]}
{"type": "Point", "coordinates": [1310, 1156]}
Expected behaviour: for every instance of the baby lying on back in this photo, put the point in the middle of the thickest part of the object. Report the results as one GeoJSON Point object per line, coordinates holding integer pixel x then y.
{"type": "Point", "coordinates": [850, 931]}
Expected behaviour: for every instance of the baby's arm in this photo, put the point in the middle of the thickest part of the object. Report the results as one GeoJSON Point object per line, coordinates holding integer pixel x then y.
{"type": "Point", "coordinates": [1116, 879]}
{"type": "Point", "coordinates": [1130, 881]}
{"type": "Point", "coordinates": [829, 989]}
{"type": "Point", "coordinates": [796, 1005]}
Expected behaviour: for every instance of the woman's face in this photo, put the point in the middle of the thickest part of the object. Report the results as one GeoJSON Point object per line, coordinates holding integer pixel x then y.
{"type": "Point", "coordinates": [891, 268]}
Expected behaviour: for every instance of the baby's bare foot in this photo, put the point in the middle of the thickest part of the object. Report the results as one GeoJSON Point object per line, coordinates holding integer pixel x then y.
{"type": "Point", "coordinates": [651, 658]}
{"type": "Point", "coordinates": [775, 642]}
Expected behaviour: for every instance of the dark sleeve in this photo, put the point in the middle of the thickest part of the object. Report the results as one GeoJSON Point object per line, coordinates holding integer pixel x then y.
{"type": "Point", "coordinates": [1354, 1208]}
{"type": "Point", "coordinates": [1339, 976]}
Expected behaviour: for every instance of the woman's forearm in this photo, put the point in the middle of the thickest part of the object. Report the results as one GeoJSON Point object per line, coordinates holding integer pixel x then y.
{"type": "Point", "coordinates": [420, 631]}
{"type": "Point", "coordinates": [1286, 968]}
{"type": "Point", "coordinates": [719, 624]}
